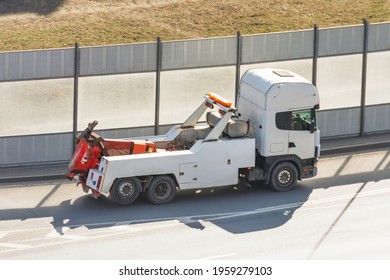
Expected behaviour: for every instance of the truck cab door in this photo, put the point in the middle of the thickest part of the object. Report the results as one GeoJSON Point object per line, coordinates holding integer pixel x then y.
{"type": "Point", "coordinates": [302, 134]}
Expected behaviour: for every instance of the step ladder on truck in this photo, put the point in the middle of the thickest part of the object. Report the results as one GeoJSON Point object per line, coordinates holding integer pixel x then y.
{"type": "Point", "coordinates": [270, 137]}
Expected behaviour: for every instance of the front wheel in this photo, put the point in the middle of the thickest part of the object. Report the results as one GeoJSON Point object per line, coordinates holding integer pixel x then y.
{"type": "Point", "coordinates": [162, 190]}
{"type": "Point", "coordinates": [125, 191]}
{"type": "Point", "coordinates": [284, 177]}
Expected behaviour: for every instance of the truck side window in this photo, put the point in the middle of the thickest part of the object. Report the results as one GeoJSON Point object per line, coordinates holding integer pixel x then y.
{"type": "Point", "coordinates": [294, 120]}
{"type": "Point", "coordinates": [283, 120]}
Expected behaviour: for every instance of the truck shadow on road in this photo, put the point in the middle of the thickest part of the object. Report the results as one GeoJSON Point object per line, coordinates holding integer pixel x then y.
{"type": "Point", "coordinates": [234, 209]}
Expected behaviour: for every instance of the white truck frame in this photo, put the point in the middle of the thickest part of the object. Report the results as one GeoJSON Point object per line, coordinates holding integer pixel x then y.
{"type": "Point", "coordinates": [257, 141]}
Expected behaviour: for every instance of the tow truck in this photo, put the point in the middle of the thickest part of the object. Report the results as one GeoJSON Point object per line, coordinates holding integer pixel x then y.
{"type": "Point", "coordinates": [271, 137]}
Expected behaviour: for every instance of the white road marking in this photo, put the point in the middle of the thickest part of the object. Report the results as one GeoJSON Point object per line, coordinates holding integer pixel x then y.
{"type": "Point", "coordinates": [56, 232]}
{"type": "Point", "coordinates": [126, 227]}
{"type": "Point", "coordinates": [60, 233]}
{"type": "Point", "coordinates": [73, 237]}
{"type": "Point", "coordinates": [14, 246]}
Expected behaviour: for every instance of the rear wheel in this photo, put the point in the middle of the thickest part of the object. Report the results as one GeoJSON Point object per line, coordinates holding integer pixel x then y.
{"type": "Point", "coordinates": [284, 177]}
{"type": "Point", "coordinates": [125, 191]}
{"type": "Point", "coordinates": [162, 190]}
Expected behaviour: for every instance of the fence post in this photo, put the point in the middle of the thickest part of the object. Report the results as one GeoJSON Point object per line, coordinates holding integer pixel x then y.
{"type": "Point", "coordinates": [238, 66]}
{"type": "Point", "coordinates": [157, 105]}
{"type": "Point", "coordinates": [315, 55]}
{"type": "Point", "coordinates": [75, 91]}
{"type": "Point", "coordinates": [364, 79]}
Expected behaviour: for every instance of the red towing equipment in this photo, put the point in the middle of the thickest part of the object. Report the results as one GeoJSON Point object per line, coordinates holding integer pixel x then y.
{"type": "Point", "coordinates": [90, 149]}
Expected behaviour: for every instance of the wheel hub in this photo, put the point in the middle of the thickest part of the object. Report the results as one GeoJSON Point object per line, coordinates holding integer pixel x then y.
{"type": "Point", "coordinates": [161, 190]}
{"type": "Point", "coordinates": [284, 177]}
{"type": "Point", "coordinates": [126, 189]}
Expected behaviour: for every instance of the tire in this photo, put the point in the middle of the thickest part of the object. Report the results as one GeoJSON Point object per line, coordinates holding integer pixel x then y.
{"type": "Point", "coordinates": [125, 191]}
{"type": "Point", "coordinates": [161, 190]}
{"type": "Point", "coordinates": [284, 177]}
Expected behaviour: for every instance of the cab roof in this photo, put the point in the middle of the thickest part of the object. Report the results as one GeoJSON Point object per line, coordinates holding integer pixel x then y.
{"type": "Point", "coordinates": [264, 78]}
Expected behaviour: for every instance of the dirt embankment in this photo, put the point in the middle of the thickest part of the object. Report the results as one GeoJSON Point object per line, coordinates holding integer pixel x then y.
{"type": "Point", "coordinates": [36, 24]}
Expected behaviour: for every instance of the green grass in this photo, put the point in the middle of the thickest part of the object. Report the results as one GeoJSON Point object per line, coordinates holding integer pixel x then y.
{"type": "Point", "coordinates": [103, 22]}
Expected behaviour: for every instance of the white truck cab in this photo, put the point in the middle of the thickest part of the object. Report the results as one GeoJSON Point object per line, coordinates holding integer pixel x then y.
{"type": "Point", "coordinates": [281, 108]}
{"type": "Point", "coordinates": [270, 137]}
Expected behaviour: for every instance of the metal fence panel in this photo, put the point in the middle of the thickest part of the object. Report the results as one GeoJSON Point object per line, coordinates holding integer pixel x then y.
{"type": "Point", "coordinates": [176, 55]}
{"type": "Point", "coordinates": [42, 64]}
{"type": "Point", "coordinates": [199, 53]}
{"type": "Point", "coordinates": [339, 122]}
{"type": "Point", "coordinates": [122, 133]}
{"type": "Point", "coordinates": [340, 40]}
{"type": "Point", "coordinates": [18, 150]}
{"type": "Point", "coordinates": [377, 118]}
{"type": "Point", "coordinates": [118, 59]}
{"type": "Point", "coordinates": [379, 37]}
{"type": "Point", "coordinates": [36, 148]}
{"type": "Point", "coordinates": [277, 46]}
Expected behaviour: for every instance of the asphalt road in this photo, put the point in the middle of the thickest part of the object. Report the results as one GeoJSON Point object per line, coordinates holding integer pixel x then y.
{"type": "Point", "coordinates": [343, 213]}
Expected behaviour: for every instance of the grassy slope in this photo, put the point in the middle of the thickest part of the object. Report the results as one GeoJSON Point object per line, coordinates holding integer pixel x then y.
{"type": "Point", "coordinates": [35, 24]}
